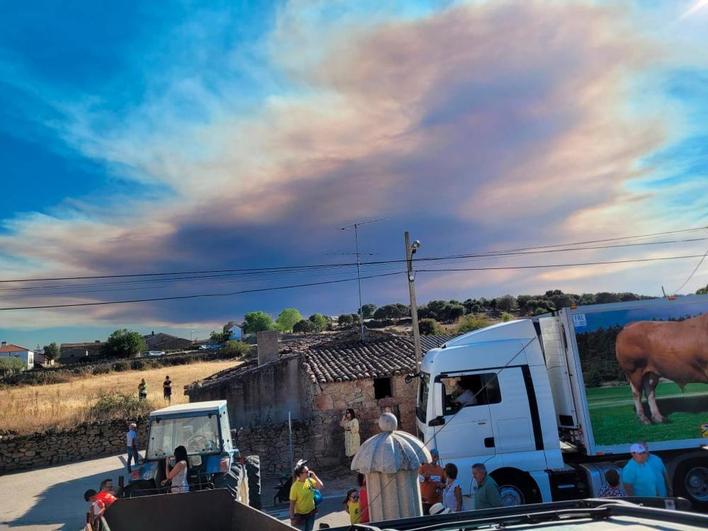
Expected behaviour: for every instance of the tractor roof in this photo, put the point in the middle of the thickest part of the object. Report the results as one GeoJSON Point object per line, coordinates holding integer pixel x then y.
{"type": "Point", "coordinates": [192, 407]}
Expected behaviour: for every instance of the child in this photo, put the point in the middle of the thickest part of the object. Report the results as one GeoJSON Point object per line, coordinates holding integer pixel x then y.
{"type": "Point", "coordinates": [96, 508]}
{"type": "Point", "coordinates": [612, 489]}
{"type": "Point", "coordinates": [351, 502]}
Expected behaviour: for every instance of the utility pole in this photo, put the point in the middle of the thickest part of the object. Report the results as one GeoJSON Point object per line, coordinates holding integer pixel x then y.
{"type": "Point", "coordinates": [411, 248]}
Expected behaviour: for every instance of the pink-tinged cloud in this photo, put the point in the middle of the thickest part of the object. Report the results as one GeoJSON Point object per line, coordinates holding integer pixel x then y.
{"type": "Point", "coordinates": [477, 127]}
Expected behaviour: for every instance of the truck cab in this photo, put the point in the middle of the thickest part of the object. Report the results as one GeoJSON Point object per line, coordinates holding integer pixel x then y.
{"type": "Point", "coordinates": [485, 397]}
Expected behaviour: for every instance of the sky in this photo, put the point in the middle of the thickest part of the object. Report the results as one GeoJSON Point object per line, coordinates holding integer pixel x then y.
{"type": "Point", "coordinates": [190, 136]}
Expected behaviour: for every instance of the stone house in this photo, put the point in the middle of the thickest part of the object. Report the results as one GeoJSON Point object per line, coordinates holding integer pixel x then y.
{"type": "Point", "coordinates": [312, 380]}
{"type": "Point", "coordinates": [69, 352]}
{"type": "Point", "coordinates": [167, 342]}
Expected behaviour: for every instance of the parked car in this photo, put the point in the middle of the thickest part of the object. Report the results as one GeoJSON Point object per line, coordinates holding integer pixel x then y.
{"type": "Point", "coordinates": [156, 353]}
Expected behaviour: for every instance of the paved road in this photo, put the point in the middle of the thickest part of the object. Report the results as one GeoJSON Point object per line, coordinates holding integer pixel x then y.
{"type": "Point", "coordinates": [52, 498]}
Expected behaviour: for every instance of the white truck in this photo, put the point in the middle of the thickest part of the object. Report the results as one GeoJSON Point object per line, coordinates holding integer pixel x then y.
{"type": "Point", "coordinates": [546, 403]}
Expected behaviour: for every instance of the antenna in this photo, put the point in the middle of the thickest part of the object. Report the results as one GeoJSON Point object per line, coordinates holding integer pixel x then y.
{"type": "Point", "coordinates": [356, 226]}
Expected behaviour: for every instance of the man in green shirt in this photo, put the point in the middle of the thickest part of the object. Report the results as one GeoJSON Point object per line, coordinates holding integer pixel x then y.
{"type": "Point", "coordinates": [487, 491]}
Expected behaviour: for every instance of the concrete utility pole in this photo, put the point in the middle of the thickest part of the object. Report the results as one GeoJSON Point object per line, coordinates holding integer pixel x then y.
{"type": "Point", "coordinates": [411, 248]}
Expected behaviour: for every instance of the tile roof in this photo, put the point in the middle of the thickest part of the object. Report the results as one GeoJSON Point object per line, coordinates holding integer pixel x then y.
{"type": "Point", "coordinates": [380, 356]}
{"type": "Point", "coordinates": [13, 348]}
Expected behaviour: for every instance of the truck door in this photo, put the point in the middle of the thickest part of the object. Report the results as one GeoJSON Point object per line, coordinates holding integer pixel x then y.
{"type": "Point", "coordinates": [511, 417]}
{"type": "Point", "coordinates": [467, 430]}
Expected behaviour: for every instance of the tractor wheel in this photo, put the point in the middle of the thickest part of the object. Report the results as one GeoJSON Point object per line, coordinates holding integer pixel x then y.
{"type": "Point", "coordinates": [253, 472]}
{"type": "Point", "coordinates": [230, 481]}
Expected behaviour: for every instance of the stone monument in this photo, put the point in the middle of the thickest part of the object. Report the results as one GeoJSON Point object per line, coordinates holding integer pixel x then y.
{"type": "Point", "coordinates": [390, 462]}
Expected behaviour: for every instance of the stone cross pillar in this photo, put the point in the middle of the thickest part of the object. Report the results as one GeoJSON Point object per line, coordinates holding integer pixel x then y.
{"type": "Point", "coordinates": [390, 461]}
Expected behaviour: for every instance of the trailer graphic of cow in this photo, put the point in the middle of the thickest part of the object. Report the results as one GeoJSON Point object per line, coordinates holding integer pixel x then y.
{"type": "Point", "coordinates": [649, 350]}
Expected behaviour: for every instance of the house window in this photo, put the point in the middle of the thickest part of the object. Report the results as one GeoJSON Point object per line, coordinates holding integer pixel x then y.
{"type": "Point", "coordinates": [382, 388]}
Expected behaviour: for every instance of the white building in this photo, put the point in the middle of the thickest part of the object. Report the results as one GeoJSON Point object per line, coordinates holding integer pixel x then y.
{"type": "Point", "coordinates": [15, 351]}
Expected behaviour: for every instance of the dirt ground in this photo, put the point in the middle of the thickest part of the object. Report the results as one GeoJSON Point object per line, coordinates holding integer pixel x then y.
{"type": "Point", "coordinates": [34, 408]}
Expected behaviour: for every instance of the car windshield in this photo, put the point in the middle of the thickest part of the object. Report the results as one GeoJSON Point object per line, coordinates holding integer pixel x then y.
{"type": "Point", "coordinates": [200, 435]}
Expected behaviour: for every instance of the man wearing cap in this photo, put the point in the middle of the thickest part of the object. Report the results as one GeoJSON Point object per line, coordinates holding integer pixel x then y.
{"type": "Point", "coordinates": [431, 482]}
{"type": "Point", "coordinates": [638, 476]}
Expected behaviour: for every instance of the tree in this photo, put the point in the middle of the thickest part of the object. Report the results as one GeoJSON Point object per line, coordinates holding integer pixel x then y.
{"type": "Point", "coordinates": [367, 310]}
{"type": "Point", "coordinates": [51, 352]}
{"type": "Point", "coordinates": [345, 320]}
{"type": "Point", "coordinates": [254, 322]}
{"type": "Point", "coordinates": [429, 327]}
{"type": "Point", "coordinates": [304, 326]}
{"type": "Point", "coordinates": [703, 291]}
{"type": "Point", "coordinates": [218, 337]}
{"type": "Point", "coordinates": [124, 343]}
{"type": "Point", "coordinates": [10, 366]}
{"type": "Point", "coordinates": [287, 319]}
{"type": "Point", "coordinates": [507, 303]}
{"type": "Point", "coordinates": [320, 321]}
{"type": "Point", "coordinates": [392, 311]}
{"type": "Point", "coordinates": [472, 322]}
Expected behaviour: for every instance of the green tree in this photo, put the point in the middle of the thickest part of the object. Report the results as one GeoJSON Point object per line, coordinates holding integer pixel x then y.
{"type": "Point", "coordinates": [217, 337]}
{"type": "Point", "coordinates": [507, 303]}
{"type": "Point", "coordinates": [236, 348]}
{"type": "Point", "coordinates": [124, 343]}
{"type": "Point", "coordinates": [472, 322]}
{"type": "Point", "coordinates": [429, 327]}
{"type": "Point", "coordinates": [11, 366]}
{"type": "Point", "coordinates": [51, 351]}
{"type": "Point", "coordinates": [703, 291]}
{"type": "Point", "coordinates": [257, 322]}
{"type": "Point", "coordinates": [345, 320]}
{"type": "Point", "coordinates": [304, 327]}
{"type": "Point", "coordinates": [287, 319]}
{"type": "Point", "coordinates": [367, 310]}
{"type": "Point", "coordinates": [320, 321]}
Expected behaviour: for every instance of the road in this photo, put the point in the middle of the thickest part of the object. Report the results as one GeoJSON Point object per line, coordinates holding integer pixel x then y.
{"type": "Point", "coordinates": [52, 498]}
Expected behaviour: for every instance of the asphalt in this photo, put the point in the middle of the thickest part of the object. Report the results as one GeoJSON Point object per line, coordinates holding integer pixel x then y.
{"type": "Point", "coordinates": [52, 498]}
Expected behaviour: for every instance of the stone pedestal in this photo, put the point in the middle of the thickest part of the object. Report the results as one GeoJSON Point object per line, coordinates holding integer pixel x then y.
{"type": "Point", "coordinates": [390, 462]}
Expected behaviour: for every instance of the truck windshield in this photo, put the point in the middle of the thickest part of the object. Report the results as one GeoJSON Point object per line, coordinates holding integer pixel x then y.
{"type": "Point", "coordinates": [200, 435]}
{"type": "Point", "coordinates": [422, 406]}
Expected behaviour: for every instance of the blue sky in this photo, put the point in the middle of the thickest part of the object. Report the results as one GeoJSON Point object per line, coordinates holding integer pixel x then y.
{"type": "Point", "coordinates": [179, 136]}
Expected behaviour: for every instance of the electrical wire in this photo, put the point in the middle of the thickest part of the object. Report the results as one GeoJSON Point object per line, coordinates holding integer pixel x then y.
{"type": "Point", "coordinates": [695, 270]}
{"type": "Point", "coordinates": [195, 295]}
{"type": "Point", "coordinates": [308, 267]}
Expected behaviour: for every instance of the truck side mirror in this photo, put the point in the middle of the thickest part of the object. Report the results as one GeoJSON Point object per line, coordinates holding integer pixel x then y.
{"type": "Point", "coordinates": [437, 421]}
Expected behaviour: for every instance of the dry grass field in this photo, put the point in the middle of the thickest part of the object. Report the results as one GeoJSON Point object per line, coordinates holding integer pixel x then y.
{"type": "Point", "coordinates": [33, 408]}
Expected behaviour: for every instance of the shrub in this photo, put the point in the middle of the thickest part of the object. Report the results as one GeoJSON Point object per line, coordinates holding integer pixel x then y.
{"type": "Point", "coordinates": [120, 366]}
{"type": "Point", "coordinates": [472, 322]}
{"type": "Point", "coordinates": [101, 369]}
{"type": "Point", "coordinates": [11, 366]}
{"type": "Point", "coordinates": [137, 365]}
{"type": "Point", "coordinates": [506, 317]}
{"type": "Point", "coordinates": [236, 349]}
{"type": "Point", "coordinates": [118, 406]}
{"type": "Point", "coordinates": [429, 327]}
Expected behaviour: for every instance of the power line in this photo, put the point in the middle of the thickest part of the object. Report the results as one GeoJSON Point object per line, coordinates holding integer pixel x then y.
{"type": "Point", "coordinates": [695, 270]}
{"type": "Point", "coordinates": [193, 296]}
{"type": "Point", "coordinates": [542, 266]}
{"type": "Point", "coordinates": [315, 267]}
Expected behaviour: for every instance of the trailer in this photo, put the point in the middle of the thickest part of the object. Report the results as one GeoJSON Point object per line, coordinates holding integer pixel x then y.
{"type": "Point", "coordinates": [559, 399]}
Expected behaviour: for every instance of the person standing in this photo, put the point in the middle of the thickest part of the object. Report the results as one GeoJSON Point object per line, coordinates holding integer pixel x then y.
{"type": "Point", "coordinates": [132, 444]}
{"type": "Point", "coordinates": [639, 478]}
{"type": "Point", "coordinates": [612, 489]}
{"type": "Point", "coordinates": [167, 389]}
{"type": "Point", "coordinates": [452, 493]}
{"type": "Point", "coordinates": [142, 390]}
{"type": "Point", "coordinates": [657, 465]}
{"type": "Point", "coordinates": [487, 491]}
{"type": "Point", "coordinates": [303, 509]}
{"type": "Point", "coordinates": [363, 498]}
{"type": "Point", "coordinates": [351, 433]}
{"type": "Point", "coordinates": [353, 506]}
{"type": "Point", "coordinates": [431, 481]}
{"type": "Point", "coordinates": [178, 473]}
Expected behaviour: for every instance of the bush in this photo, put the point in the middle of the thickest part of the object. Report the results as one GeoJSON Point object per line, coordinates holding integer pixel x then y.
{"type": "Point", "coordinates": [472, 322]}
{"type": "Point", "coordinates": [236, 349]}
{"type": "Point", "coordinates": [137, 365]}
{"type": "Point", "coordinates": [10, 366]}
{"type": "Point", "coordinates": [506, 317]}
{"type": "Point", "coordinates": [429, 327]}
{"type": "Point", "coordinates": [120, 366]}
{"type": "Point", "coordinates": [304, 327]}
{"type": "Point", "coordinates": [119, 406]}
{"type": "Point", "coordinates": [101, 369]}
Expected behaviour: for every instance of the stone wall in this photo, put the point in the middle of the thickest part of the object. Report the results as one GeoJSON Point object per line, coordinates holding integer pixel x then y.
{"type": "Point", "coordinates": [53, 447]}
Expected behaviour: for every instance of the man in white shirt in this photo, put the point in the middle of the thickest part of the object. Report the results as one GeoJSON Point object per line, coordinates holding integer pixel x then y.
{"type": "Point", "coordinates": [132, 444]}
{"type": "Point", "coordinates": [467, 397]}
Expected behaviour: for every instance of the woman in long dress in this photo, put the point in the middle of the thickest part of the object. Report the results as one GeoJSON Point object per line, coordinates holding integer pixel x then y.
{"type": "Point", "coordinates": [351, 433]}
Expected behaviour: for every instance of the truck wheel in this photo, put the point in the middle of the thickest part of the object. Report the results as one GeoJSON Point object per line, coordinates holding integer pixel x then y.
{"type": "Point", "coordinates": [691, 482]}
{"type": "Point", "coordinates": [516, 488]}
{"type": "Point", "coordinates": [253, 472]}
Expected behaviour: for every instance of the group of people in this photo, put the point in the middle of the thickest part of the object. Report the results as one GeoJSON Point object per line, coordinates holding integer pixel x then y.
{"type": "Point", "coordinates": [166, 389]}
{"type": "Point", "coordinates": [644, 475]}
{"type": "Point", "coordinates": [99, 502]}
{"type": "Point", "coordinates": [441, 492]}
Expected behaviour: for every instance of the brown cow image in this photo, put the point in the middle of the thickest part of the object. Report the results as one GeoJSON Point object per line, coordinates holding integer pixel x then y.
{"type": "Point", "coordinates": [677, 350]}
